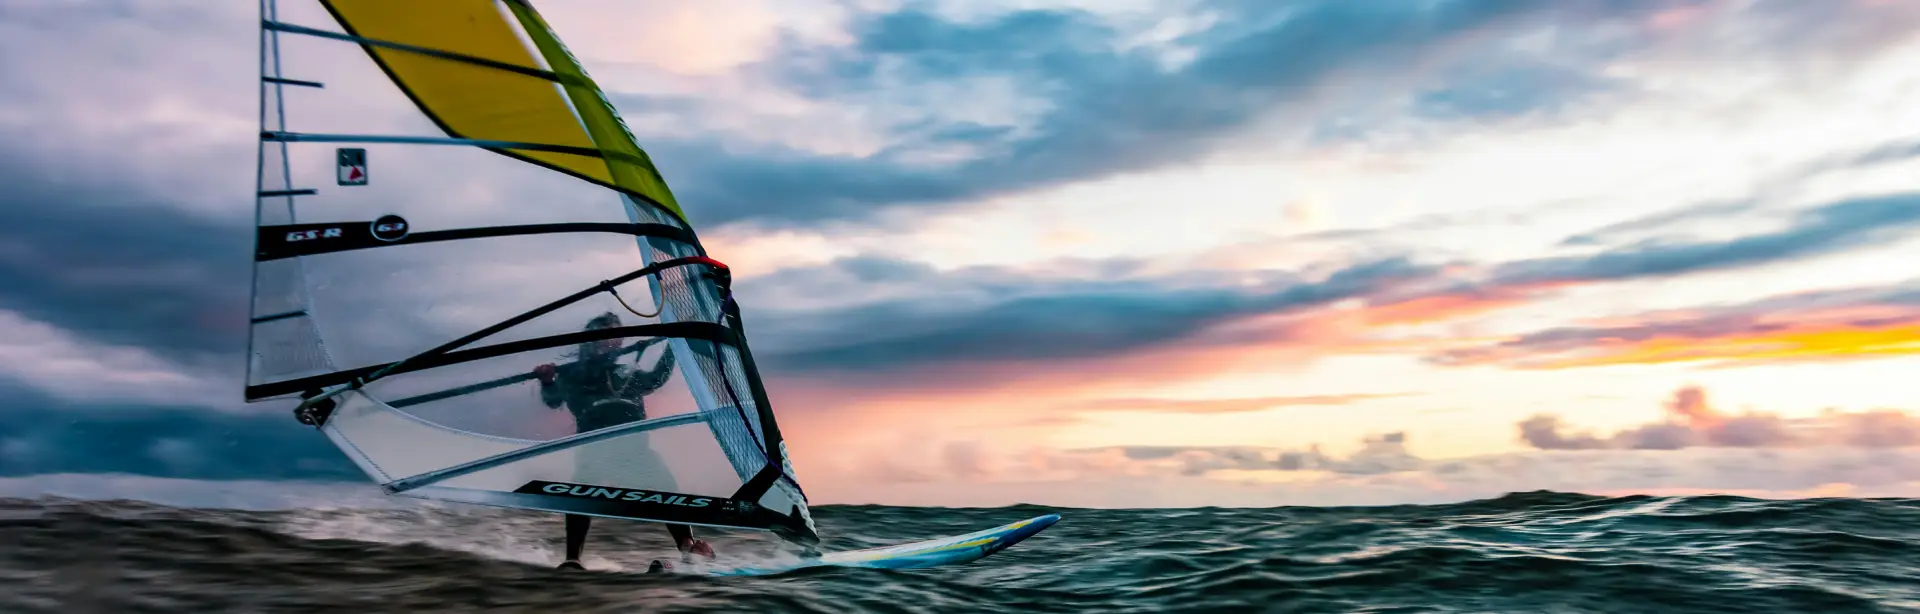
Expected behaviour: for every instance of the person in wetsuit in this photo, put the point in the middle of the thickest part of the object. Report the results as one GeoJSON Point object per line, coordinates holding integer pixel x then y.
{"type": "Point", "coordinates": [600, 392]}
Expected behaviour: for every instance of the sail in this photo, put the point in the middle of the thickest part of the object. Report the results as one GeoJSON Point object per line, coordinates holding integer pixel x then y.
{"type": "Point", "coordinates": [510, 97]}
{"type": "Point", "coordinates": [577, 355]}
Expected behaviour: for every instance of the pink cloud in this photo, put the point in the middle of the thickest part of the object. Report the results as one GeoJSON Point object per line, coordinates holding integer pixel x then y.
{"type": "Point", "coordinates": [1691, 421]}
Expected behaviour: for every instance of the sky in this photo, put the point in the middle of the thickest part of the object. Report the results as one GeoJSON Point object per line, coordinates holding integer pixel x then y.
{"type": "Point", "coordinates": [1123, 253]}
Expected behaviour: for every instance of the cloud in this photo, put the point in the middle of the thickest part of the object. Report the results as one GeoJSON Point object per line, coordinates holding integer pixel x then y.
{"type": "Point", "coordinates": [173, 122]}
{"type": "Point", "coordinates": [960, 109]}
{"type": "Point", "coordinates": [1692, 422]}
{"type": "Point", "coordinates": [1847, 224]}
{"type": "Point", "coordinates": [1724, 471]}
{"type": "Point", "coordinates": [1041, 97]}
{"type": "Point", "coordinates": [1896, 151]}
{"type": "Point", "coordinates": [71, 368]}
{"type": "Point", "coordinates": [965, 108]}
{"type": "Point", "coordinates": [895, 315]}
{"type": "Point", "coordinates": [864, 314]}
{"type": "Point", "coordinates": [890, 315]}
{"type": "Point", "coordinates": [1849, 324]}
{"type": "Point", "coordinates": [1106, 104]}
{"type": "Point", "coordinates": [40, 433]}
{"type": "Point", "coordinates": [109, 261]}
{"type": "Point", "coordinates": [1507, 91]}
{"type": "Point", "coordinates": [977, 462]}
{"type": "Point", "coordinates": [1882, 154]}
{"type": "Point", "coordinates": [988, 314]}
{"type": "Point", "coordinates": [1217, 406]}
{"type": "Point", "coordinates": [1825, 35]}
{"type": "Point", "coordinates": [1381, 472]}
{"type": "Point", "coordinates": [1544, 432]}
{"type": "Point", "coordinates": [1378, 454]}
{"type": "Point", "coordinates": [1664, 220]}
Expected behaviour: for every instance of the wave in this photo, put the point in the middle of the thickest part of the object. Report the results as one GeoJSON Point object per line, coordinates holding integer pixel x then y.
{"type": "Point", "coordinates": [1522, 552]}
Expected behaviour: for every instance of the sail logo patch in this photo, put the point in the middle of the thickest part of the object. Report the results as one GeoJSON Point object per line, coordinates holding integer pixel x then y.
{"type": "Point", "coordinates": [584, 491]}
{"type": "Point", "coordinates": [390, 228]}
{"type": "Point", "coordinates": [352, 166]}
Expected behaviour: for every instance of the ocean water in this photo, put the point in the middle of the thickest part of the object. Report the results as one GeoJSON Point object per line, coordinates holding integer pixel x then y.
{"type": "Point", "coordinates": [1525, 552]}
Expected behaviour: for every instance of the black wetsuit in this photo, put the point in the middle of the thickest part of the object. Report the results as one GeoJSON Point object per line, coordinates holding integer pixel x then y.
{"type": "Point", "coordinates": [582, 386]}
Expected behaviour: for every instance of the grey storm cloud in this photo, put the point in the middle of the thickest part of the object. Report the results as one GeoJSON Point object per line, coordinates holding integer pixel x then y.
{"type": "Point", "coordinates": [42, 434]}
{"type": "Point", "coordinates": [1109, 110]}
{"type": "Point", "coordinates": [1690, 421]}
{"type": "Point", "coordinates": [1821, 230]}
{"type": "Point", "coordinates": [119, 265]}
{"type": "Point", "coordinates": [1026, 318]}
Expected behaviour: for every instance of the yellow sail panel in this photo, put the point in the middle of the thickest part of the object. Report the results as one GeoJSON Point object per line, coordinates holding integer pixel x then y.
{"type": "Point", "coordinates": [474, 101]}
{"type": "Point", "coordinates": [632, 169]}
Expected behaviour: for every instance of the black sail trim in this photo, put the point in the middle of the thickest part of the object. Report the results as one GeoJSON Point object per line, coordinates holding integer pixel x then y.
{"type": "Point", "coordinates": [294, 240]}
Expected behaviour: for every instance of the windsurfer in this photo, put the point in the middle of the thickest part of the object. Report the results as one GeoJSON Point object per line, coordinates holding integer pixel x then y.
{"type": "Point", "coordinates": [600, 393]}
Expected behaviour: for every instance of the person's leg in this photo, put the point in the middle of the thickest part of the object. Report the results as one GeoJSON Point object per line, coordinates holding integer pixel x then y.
{"type": "Point", "coordinates": [683, 539]}
{"type": "Point", "coordinates": [577, 525]}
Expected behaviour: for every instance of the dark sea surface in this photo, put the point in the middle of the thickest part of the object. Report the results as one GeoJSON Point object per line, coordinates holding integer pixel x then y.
{"type": "Point", "coordinates": [1527, 552]}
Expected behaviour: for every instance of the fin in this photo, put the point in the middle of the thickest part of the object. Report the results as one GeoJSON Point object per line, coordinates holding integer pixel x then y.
{"type": "Point", "coordinates": [657, 567]}
{"type": "Point", "coordinates": [572, 564]}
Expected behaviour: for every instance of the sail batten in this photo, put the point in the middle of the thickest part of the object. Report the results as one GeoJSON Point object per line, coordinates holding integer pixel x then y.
{"type": "Point", "coordinates": [292, 137]}
{"type": "Point", "coordinates": [694, 330]}
{"type": "Point", "coordinates": [434, 53]}
{"type": "Point", "coordinates": [504, 364]}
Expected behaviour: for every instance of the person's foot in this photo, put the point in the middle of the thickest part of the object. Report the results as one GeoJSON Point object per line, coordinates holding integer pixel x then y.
{"type": "Point", "coordinates": [572, 564]}
{"type": "Point", "coordinates": [696, 546]}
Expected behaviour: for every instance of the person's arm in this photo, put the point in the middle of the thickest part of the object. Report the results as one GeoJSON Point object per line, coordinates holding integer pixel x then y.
{"type": "Point", "coordinates": [549, 392]}
{"type": "Point", "coordinates": [656, 377]}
